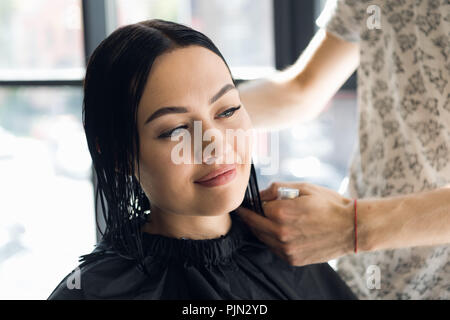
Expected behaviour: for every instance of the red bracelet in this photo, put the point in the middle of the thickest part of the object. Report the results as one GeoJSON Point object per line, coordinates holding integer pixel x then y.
{"type": "Point", "coordinates": [356, 230]}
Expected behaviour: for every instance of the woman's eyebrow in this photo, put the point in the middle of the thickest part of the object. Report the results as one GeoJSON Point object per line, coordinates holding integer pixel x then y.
{"type": "Point", "coordinates": [175, 109]}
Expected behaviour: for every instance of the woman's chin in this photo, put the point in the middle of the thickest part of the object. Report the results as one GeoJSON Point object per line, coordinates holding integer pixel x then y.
{"type": "Point", "coordinates": [222, 203]}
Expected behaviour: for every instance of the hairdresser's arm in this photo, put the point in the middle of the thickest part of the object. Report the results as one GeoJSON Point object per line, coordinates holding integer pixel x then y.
{"type": "Point", "coordinates": [318, 226]}
{"type": "Point", "coordinates": [301, 92]}
{"type": "Point", "coordinates": [418, 219]}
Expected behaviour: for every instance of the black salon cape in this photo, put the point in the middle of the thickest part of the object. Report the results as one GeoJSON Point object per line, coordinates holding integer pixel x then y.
{"type": "Point", "coordinates": [234, 266]}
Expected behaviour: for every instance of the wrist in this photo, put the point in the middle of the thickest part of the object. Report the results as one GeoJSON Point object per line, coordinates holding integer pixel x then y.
{"type": "Point", "coordinates": [362, 219]}
{"type": "Point", "coordinates": [376, 224]}
{"type": "Point", "coordinates": [348, 246]}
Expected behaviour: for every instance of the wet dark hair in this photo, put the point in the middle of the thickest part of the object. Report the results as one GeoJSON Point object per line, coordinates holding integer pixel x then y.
{"type": "Point", "coordinates": [115, 78]}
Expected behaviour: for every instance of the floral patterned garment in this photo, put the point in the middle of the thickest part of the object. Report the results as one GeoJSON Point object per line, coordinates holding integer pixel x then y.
{"type": "Point", "coordinates": [404, 130]}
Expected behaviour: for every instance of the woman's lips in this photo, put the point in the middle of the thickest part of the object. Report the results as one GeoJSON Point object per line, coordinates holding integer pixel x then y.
{"type": "Point", "coordinates": [222, 169]}
{"type": "Point", "coordinates": [221, 179]}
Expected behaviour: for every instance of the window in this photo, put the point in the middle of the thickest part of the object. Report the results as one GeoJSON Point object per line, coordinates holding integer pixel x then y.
{"type": "Point", "coordinates": [41, 39]}
{"type": "Point", "coordinates": [45, 167]}
{"type": "Point", "coordinates": [318, 151]}
{"type": "Point", "coordinates": [241, 29]}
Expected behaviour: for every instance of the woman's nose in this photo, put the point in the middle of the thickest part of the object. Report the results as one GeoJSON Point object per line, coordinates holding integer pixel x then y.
{"type": "Point", "coordinates": [214, 147]}
{"type": "Point", "coordinates": [219, 157]}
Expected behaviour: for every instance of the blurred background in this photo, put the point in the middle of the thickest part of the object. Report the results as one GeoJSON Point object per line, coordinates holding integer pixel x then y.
{"type": "Point", "coordinates": [46, 180]}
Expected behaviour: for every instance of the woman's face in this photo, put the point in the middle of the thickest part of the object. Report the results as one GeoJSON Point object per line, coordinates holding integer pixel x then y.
{"type": "Point", "coordinates": [193, 78]}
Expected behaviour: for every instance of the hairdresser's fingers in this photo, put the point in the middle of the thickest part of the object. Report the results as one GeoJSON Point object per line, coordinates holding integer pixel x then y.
{"type": "Point", "coordinates": [283, 211]}
{"type": "Point", "coordinates": [257, 221]}
{"type": "Point", "coordinates": [267, 194]}
{"type": "Point", "coordinates": [271, 192]}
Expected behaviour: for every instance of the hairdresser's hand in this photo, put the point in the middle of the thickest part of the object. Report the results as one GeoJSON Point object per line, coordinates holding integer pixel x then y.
{"type": "Point", "coordinates": [315, 227]}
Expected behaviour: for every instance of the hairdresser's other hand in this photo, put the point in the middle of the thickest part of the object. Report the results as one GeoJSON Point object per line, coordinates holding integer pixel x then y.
{"type": "Point", "coordinates": [315, 227]}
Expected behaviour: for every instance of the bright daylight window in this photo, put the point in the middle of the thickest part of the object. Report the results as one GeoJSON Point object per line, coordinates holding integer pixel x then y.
{"type": "Point", "coordinates": [241, 29]}
{"type": "Point", "coordinates": [41, 39]}
{"type": "Point", "coordinates": [46, 193]}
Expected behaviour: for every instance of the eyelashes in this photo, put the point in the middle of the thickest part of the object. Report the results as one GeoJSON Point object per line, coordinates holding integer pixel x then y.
{"type": "Point", "coordinates": [233, 110]}
{"type": "Point", "coordinates": [169, 133]}
{"type": "Point", "coordinates": [228, 114]}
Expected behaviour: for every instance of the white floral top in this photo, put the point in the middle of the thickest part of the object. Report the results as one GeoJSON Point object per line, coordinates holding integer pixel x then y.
{"type": "Point", "coordinates": [404, 130]}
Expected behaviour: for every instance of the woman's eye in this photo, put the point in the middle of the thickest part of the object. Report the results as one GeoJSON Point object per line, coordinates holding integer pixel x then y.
{"type": "Point", "coordinates": [228, 113]}
{"type": "Point", "coordinates": [170, 133]}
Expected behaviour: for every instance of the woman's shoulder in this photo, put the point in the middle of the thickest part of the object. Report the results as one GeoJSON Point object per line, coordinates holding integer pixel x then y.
{"type": "Point", "coordinates": [95, 270]}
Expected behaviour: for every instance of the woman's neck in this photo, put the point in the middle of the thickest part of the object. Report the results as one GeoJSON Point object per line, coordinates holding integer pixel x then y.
{"type": "Point", "coordinates": [190, 227]}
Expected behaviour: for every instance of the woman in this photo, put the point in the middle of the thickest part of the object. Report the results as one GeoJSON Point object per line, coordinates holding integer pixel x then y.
{"type": "Point", "coordinates": [171, 232]}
